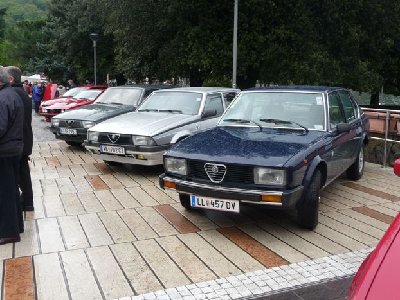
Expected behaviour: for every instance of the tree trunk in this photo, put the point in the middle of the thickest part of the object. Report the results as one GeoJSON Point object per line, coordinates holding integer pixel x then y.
{"type": "Point", "coordinates": [374, 100]}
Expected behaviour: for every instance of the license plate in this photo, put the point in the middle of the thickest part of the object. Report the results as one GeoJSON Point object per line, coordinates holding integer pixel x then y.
{"type": "Point", "coordinates": [44, 110]}
{"type": "Point", "coordinates": [112, 149]}
{"type": "Point", "coordinates": [68, 131]}
{"type": "Point", "coordinates": [215, 204]}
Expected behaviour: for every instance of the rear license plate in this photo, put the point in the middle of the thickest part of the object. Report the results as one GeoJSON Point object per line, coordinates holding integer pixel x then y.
{"type": "Point", "coordinates": [216, 204]}
{"type": "Point", "coordinates": [112, 149]}
{"type": "Point", "coordinates": [68, 131]}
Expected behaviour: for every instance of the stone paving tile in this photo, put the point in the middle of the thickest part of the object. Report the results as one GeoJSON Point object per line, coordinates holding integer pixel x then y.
{"type": "Point", "coordinates": [29, 244]}
{"type": "Point", "coordinates": [190, 264]}
{"type": "Point", "coordinates": [72, 232]}
{"type": "Point", "coordinates": [137, 224]}
{"type": "Point", "coordinates": [125, 198]}
{"type": "Point", "coordinates": [112, 280]}
{"type": "Point", "coordinates": [18, 277]}
{"type": "Point", "coordinates": [72, 204]}
{"type": "Point", "coordinates": [90, 202]}
{"type": "Point", "coordinates": [78, 270]}
{"type": "Point", "coordinates": [167, 272]}
{"type": "Point", "coordinates": [119, 232]}
{"type": "Point", "coordinates": [216, 261]}
{"type": "Point", "coordinates": [108, 200]}
{"type": "Point", "coordinates": [156, 221]}
{"type": "Point", "coordinates": [50, 282]}
{"type": "Point", "coordinates": [50, 235]}
{"type": "Point", "coordinates": [95, 230]}
{"type": "Point", "coordinates": [138, 272]}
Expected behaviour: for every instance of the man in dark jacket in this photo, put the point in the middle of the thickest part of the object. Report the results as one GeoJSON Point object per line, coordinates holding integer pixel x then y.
{"type": "Point", "coordinates": [25, 182]}
{"type": "Point", "coordinates": [11, 146]}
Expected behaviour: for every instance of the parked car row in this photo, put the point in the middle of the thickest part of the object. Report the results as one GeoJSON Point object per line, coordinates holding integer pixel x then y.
{"type": "Point", "coordinates": [275, 147]}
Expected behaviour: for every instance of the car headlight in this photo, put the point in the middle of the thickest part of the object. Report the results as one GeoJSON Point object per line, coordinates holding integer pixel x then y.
{"type": "Point", "coordinates": [175, 165]}
{"type": "Point", "coordinates": [269, 176]}
{"type": "Point", "coordinates": [62, 110]}
{"type": "Point", "coordinates": [138, 140]}
{"type": "Point", "coordinates": [93, 136]}
{"type": "Point", "coordinates": [88, 124]}
{"type": "Point", "coordinates": [55, 122]}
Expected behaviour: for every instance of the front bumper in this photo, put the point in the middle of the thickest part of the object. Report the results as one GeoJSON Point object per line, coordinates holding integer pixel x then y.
{"type": "Point", "coordinates": [151, 156]}
{"type": "Point", "coordinates": [289, 197]}
{"type": "Point", "coordinates": [79, 137]}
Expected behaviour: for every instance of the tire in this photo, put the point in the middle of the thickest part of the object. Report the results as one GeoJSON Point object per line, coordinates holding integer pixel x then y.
{"type": "Point", "coordinates": [185, 201]}
{"type": "Point", "coordinates": [356, 170]}
{"type": "Point", "coordinates": [307, 212]}
{"type": "Point", "coordinates": [76, 144]}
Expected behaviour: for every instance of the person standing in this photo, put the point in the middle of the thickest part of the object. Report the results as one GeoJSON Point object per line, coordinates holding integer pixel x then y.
{"type": "Point", "coordinates": [25, 182]}
{"type": "Point", "coordinates": [71, 84]}
{"type": "Point", "coordinates": [37, 95]}
{"type": "Point", "coordinates": [11, 146]}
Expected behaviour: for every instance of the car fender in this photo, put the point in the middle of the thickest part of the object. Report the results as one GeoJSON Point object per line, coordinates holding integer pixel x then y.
{"type": "Point", "coordinates": [179, 135]}
{"type": "Point", "coordinates": [310, 171]}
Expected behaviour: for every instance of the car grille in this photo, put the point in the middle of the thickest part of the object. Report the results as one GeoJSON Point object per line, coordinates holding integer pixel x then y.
{"type": "Point", "coordinates": [71, 123]}
{"type": "Point", "coordinates": [54, 111]}
{"type": "Point", "coordinates": [233, 174]}
{"type": "Point", "coordinates": [123, 139]}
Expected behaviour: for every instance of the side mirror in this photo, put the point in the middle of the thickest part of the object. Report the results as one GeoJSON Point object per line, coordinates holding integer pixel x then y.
{"type": "Point", "coordinates": [209, 113]}
{"type": "Point", "coordinates": [343, 127]}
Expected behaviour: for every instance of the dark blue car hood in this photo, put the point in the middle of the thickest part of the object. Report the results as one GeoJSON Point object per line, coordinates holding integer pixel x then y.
{"type": "Point", "coordinates": [247, 145]}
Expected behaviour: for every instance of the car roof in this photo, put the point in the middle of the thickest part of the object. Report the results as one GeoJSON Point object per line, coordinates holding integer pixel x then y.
{"type": "Point", "coordinates": [205, 89]}
{"type": "Point", "coordinates": [305, 88]}
{"type": "Point", "coordinates": [144, 86]}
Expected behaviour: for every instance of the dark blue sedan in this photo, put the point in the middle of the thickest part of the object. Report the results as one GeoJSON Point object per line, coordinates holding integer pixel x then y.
{"type": "Point", "coordinates": [275, 147]}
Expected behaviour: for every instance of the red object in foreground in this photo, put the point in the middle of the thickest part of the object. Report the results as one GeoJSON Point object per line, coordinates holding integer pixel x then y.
{"type": "Point", "coordinates": [396, 168]}
{"type": "Point", "coordinates": [378, 276]}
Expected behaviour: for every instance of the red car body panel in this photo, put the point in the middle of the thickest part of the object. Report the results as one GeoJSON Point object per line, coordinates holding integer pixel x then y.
{"type": "Point", "coordinates": [377, 277]}
{"type": "Point", "coordinates": [396, 168]}
{"type": "Point", "coordinates": [66, 103]}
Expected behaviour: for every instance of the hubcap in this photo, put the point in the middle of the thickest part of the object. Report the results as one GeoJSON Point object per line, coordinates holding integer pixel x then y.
{"type": "Point", "coordinates": [361, 160]}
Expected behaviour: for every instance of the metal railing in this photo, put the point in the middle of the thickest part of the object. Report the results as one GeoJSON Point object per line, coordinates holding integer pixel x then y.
{"type": "Point", "coordinates": [387, 113]}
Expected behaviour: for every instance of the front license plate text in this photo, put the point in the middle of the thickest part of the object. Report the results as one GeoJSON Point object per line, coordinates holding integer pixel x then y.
{"type": "Point", "coordinates": [215, 204]}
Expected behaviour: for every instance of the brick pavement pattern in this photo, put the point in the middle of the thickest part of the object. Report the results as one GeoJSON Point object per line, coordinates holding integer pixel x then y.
{"type": "Point", "coordinates": [101, 232]}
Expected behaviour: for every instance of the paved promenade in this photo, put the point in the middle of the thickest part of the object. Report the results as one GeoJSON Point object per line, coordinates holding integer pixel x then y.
{"type": "Point", "coordinates": [101, 232]}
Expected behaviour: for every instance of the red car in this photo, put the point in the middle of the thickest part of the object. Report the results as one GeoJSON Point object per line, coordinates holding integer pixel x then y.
{"type": "Point", "coordinates": [84, 96]}
{"type": "Point", "coordinates": [377, 278]}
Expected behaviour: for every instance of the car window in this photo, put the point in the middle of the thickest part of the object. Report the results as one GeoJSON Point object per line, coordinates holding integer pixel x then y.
{"type": "Point", "coordinates": [350, 109]}
{"type": "Point", "coordinates": [74, 91]}
{"type": "Point", "coordinates": [126, 96]}
{"type": "Point", "coordinates": [214, 102]}
{"type": "Point", "coordinates": [306, 109]}
{"type": "Point", "coordinates": [187, 103]}
{"type": "Point", "coordinates": [228, 97]}
{"type": "Point", "coordinates": [87, 94]}
{"type": "Point", "coordinates": [335, 113]}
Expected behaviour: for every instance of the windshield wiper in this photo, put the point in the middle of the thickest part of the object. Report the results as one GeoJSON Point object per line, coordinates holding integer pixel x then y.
{"type": "Point", "coordinates": [171, 111]}
{"type": "Point", "coordinates": [243, 121]}
{"type": "Point", "coordinates": [283, 122]}
{"type": "Point", "coordinates": [116, 103]}
{"type": "Point", "coordinates": [148, 109]}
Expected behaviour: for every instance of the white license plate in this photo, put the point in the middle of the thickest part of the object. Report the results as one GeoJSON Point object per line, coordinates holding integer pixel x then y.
{"type": "Point", "coordinates": [44, 110]}
{"type": "Point", "coordinates": [216, 204]}
{"type": "Point", "coordinates": [68, 131]}
{"type": "Point", "coordinates": [112, 149]}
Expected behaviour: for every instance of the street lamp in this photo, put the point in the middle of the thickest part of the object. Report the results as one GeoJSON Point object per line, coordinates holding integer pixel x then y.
{"type": "Point", "coordinates": [235, 26]}
{"type": "Point", "coordinates": [94, 37]}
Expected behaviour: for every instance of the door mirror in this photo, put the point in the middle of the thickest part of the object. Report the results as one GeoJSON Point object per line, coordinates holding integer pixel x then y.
{"type": "Point", "coordinates": [343, 127]}
{"type": "Point", "coordinates": [209, 113]}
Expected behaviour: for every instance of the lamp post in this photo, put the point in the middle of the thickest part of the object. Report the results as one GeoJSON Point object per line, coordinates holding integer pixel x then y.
{"type": "Point", "coordinates": [94, 37]}
{"type": "Point", "coordinates": [235, 26]}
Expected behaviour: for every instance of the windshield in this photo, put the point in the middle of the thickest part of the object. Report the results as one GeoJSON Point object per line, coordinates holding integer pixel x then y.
{"type": "Point", "coordinates": [73, 92]}
{"type": "Point", "coordinates": [87, 94]}
{"type": "Point", "coordinates": [277, 109]}
{"type": "Point", "coordinates": [187, 103]}
{"type": "Point", "coordinates": [120, 96]}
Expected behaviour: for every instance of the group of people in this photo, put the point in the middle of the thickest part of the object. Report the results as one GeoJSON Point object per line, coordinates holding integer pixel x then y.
{"type": "Point", "coordinates": [16, 141]}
